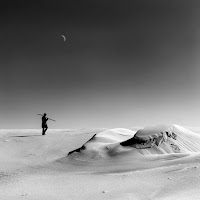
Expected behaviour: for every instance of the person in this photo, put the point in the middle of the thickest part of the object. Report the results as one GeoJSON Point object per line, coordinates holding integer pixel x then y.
{"type": "Point", "coordinates": [44, 124]}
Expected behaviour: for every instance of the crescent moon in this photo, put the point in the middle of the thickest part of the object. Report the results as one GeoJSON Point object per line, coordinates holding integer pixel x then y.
{"type": "Point", "coordinates": [64, 37]}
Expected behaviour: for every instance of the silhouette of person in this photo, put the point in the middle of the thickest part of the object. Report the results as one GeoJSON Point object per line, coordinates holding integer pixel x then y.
{"type": "Point", "coordinates": [44, 124]}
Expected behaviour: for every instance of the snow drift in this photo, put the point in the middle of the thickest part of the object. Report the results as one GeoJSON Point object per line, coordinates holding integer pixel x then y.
{"type": "Point", "coordinates": [164, 142]}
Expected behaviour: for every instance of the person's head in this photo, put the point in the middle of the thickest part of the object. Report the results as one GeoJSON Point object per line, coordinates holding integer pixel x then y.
{"type": "Point", "coordinates": [45, 114]}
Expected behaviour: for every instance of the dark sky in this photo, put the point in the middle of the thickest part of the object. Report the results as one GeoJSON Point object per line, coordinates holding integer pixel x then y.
{"type": "Point", "coordinates": [124, 63]}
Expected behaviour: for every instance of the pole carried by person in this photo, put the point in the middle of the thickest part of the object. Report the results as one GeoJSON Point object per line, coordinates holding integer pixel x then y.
{"type": "Point", "coordinates": [48, 118]}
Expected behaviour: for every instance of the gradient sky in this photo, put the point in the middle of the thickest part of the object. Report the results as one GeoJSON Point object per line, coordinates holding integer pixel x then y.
{"type": "Point", "coordinates": [125, 63]}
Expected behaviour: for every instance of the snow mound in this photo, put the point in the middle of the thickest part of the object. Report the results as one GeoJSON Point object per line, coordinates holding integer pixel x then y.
{"type": "Point", "coordinates": [158, 140]}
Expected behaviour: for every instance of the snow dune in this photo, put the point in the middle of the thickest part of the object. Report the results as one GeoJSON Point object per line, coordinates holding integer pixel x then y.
{"type": "Point", "coordinates": [147, 148]}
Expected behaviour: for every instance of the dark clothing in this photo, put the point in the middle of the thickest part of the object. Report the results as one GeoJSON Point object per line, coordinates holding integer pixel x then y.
{"type": "Point", "coordinates": [44, 125]}
{"type": "Point", "coordinates": [44, 122]}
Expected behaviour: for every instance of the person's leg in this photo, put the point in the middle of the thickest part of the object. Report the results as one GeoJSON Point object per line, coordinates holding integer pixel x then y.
{"type": "Point", "coordinates": [43, 131]}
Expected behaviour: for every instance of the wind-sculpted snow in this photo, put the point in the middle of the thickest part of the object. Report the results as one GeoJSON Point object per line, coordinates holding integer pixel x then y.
{"type": "Point", "coordinates": [97, 146]}
{"type": "Point", "coordinates": [160, 142]}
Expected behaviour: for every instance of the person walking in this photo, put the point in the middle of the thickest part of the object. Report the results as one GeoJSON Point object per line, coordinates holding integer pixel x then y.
{"type": "Point", "coordinates": [44, 124]}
